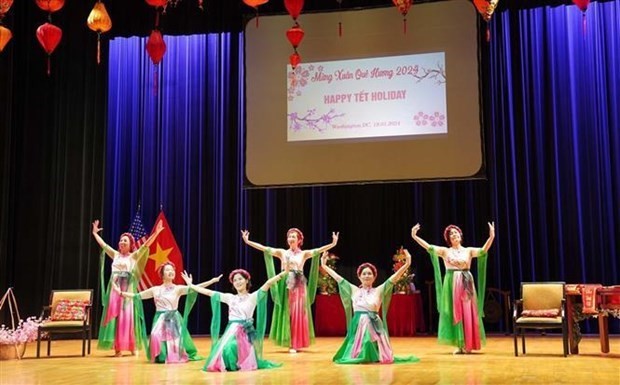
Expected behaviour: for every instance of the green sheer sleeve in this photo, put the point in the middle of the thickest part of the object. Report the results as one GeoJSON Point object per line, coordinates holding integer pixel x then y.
{"type": "Point", "coordinates": [142, 256]}
{"type": "Point", "coordinates": [386, 298]}
{"type": "Point", "coordinates": [344, 289]}
{"type": "Point", "coordinates": [190, 300]}
{"type": "Point", "coordinates": [271, 272]}
{"type": "Point", "coordinates": [313, 278]}
{"type": "Point", "coordinates": [261, 322]}
{"type": "Point", "coordinates": [216, 314]}
{"type": "Point", "coordinates": [482, 280]}
{"type": "Point", "coordinates": [437, 275]}
{"type": "Point", "coordinates": [105, 295]}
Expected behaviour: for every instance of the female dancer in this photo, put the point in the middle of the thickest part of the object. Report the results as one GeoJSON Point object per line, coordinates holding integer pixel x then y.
{"type": "Point", "coordinates": [291, 324]}
{"type": "Point", "coordinates": [121, 328]}
{"type": "Point", "coordinates": [460, 308]}
{"type": "Point", "coordinates": [170, 341]}
{"type": "Point", "coordinates": [367, 338]}
{"type": "Point", "coordinates": [241, 346]}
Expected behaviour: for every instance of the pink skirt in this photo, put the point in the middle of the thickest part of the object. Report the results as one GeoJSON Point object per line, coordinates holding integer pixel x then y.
{"type": "Point", "coordinates": [300, 329]}
{"type": "Point", "coordinates": [465, 309]}
{"type": "Point", "coordinates": [121, 309]}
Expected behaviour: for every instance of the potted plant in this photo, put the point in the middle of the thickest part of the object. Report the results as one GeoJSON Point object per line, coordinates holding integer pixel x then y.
{"type": "Point", "coordinates": [402, 285]}
{"type": "Point", "coordinates": [328, 285]}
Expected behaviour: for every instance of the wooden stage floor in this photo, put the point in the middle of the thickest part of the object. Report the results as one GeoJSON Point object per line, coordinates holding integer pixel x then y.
{"type": "Point", "coordinates": [495, 364]}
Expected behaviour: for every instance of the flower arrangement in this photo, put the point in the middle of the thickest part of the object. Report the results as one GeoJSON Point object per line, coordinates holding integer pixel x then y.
{"type": "Point", "coordinates": [403, 283]}
{"type": "Point", "coordinates": [327, 284]}
{"type": "Point", "coordinates": [25, 331]}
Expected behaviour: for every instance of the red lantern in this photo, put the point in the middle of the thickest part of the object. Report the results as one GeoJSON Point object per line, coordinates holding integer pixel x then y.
{"type": "Point", "coordinates": [50, 5]}
{"type": "Point", "coordinates": [486, 8]}
{"type": "Point", "coordinates": [403, 7]}
{"type": "Point", "coordinates": [582, 4]}
{"type": "Point", "coordinates": [49, 36]}
{"type": "Point", "coordinates": [5, 5]}
{"type": "Point", "coordinates": [583, 7]}
{"type": "Point", "coordinates": [294, 59]}
{"type": "Point", "coordinates": [295, 35]}
{"type": "Point", "coordinates": [100, 22]}
{"type": "Point", "coordinates": [156, 47]}
{"type": "Point", "coordinates": [255, 3]}
{"type": "Point", "coordinates": [294, 7]}
{"type": "Point", "coordinates": [157, 3]}
{"type": "Point", "coordinates": [5, 36]}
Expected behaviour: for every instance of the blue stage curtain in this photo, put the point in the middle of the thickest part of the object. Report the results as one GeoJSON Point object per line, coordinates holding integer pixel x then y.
{"type": "Point", "coordinates": [555, 141]}
{"type": "Point", "coordinates": [171, 145]}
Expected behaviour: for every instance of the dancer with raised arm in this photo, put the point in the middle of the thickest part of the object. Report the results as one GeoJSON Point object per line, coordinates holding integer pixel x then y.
{"type": "Point", "coordinates": [121, 327]}
{"type": "Point", "coordinates": [241, 345]}
{"type": "Point", "coordinates": [459, 302]}
{"type": "Point", "coordinates": [367, 339]}
{"type": "Point", "coordinates": [291, 324]}
{"type": "Point", "coordinates": [170, 341]}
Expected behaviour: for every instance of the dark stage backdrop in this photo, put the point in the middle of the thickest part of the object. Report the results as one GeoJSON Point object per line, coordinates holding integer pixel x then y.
{"type": "Point", "coordinates": [552, 124]}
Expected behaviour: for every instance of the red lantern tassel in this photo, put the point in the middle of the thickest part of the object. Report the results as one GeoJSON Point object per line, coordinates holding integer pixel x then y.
{"type": "Point", "coordinates": [404, 25]}
{"type": "Point", "coordinates": [98, 47]}
{"type": "Point", "coordinates": [339, 29]}
{"type": "Point", "coordinates": [155, 79]}
{"type": "Point", "coordinates": [584, 23]}
{"type": "Point", "coordinates": [49, 65]}
{"type": "Point", "coordinates": [256, 17]}
{"type": "Point", "coordinates": [488, 33]}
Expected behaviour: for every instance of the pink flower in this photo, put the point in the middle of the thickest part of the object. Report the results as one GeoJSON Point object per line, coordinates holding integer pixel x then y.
{"type": "Point", "coordinates": [26, 331]}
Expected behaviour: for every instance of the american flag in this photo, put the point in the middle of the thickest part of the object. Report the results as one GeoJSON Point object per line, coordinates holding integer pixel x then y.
{"type": "Point", "coordinates": [140, 235]}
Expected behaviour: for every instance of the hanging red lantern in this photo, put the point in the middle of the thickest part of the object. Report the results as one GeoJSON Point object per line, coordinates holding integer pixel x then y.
{"type": "Point", "coordinates": [486, 8]}
{"type": "Point", "coordinates": [5, 5]}
{"type": "Point", "coordinates": [294, 35]}
{"type": "Point", "coordinates": [582, 4]}
{"type": "Point", "coordinates": [49, 36]}
{"type": "Point", "coordinates": [100, 22]}
{"type": "Point", "coordinates": [156, 46]}
{"type": "Point", "coordinates": [583, 7]}
{"type": "Point", "coordinates": [403, 7]}
{"type": "Point", "coordinates": [254, 4]}
{"type": "Point", "coordinates": [5, 36]}
{"type": "Point", "coordinates": [294, 59]}
{"type": "Point", "coordinates": [294, 7]}
{"type": "Point", "coordinates": [157, 3]}
{"type": "Point", "coordinates": [50, 5]}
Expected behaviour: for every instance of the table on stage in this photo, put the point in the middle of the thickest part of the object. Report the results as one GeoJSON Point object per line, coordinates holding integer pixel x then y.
{"type": "Point", "coordinates": [405, 315]}
{"type": "Point", "coordinates": [589, 300]}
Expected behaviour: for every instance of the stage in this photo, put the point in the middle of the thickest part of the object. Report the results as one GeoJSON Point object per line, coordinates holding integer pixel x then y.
{"type": "Point", "coordinates": [495, 364]}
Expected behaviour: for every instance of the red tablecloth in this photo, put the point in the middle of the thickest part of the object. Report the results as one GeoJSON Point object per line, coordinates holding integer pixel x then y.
{"type": "Point", "coordinates": [405, 316]}
{"type": "Point", "coordinates": [329, 319]}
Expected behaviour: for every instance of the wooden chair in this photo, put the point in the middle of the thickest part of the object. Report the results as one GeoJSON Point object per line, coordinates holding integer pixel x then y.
{"type": "Point", "coordinates": [542, 306]}
{"type": "Point", "coordinates": [69, 312]}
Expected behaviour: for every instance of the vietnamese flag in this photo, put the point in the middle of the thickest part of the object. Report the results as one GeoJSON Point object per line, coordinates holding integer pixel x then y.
{"type": "Point", "coordinates": [162, 250]}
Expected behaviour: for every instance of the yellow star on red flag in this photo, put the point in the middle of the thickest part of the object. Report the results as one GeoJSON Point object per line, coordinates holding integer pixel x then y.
{"type": "Point", "coordinates": [160, 256]}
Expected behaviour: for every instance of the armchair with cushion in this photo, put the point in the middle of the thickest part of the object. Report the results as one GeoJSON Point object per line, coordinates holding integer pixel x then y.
{"type": "Point", "coordinates": [542, 306]}
{"type": "Point", "coordinates": [69, 312]}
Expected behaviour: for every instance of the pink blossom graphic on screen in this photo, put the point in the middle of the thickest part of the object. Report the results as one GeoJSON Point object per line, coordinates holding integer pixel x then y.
{"type": "Point", "coordinates": [310, 120]}
{"type": "Point", "coordinates": [298, 79]}
{"type": "Point", "coordinates": [435, 119]}
{"type": "Point", "coordinates": [438, 74]}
